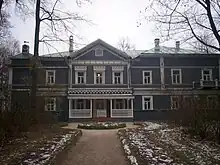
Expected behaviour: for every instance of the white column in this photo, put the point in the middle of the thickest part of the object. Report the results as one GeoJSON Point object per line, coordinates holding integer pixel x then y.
{"type": "Point", "coordinates": [162, 79]}
{"type": "Point", "coordinates": [132, 107]}
{"type": "Point", "coordinates": [70, 76]}
{"type": "Point", "coordinates": [70, 107]}
{"type": "Point", "coordinates": [110, 107]}
{"type": "Point", "coordinates": [10, 73]}
{"type": "Point", "coordinates": [91, 108]}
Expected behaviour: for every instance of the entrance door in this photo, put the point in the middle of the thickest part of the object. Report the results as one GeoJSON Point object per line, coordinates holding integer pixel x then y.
{"type": "Point", "coordinates": [99, 108]}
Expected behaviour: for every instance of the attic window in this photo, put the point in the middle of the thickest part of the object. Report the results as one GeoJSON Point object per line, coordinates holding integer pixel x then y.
{"type": "Point", "coordinates": [98, 52]}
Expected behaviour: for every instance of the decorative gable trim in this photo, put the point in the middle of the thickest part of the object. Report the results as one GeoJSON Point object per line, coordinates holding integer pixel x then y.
{"type": "Point", "coordinates": [80, 68]}
{"type": "Point", "coordinates": [117, 68]}
{"type": "Point", "coordinates": [99, 68]}
{"type": "Point", "coordinates": [100, 44]}
{"type": "Point", "coordinates": [99, 62]}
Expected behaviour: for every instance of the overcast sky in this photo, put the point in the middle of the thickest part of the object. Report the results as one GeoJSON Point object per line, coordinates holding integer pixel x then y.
{"type": "Point", "coordinates": [112, 19]}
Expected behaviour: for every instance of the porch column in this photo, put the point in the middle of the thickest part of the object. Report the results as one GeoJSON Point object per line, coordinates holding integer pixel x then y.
{"type": "Point", "coordinates": [110, 107]}
{"type": "Point", "coordinates": [70, 107]}
{"type": "Point", "coordinates": [90, 107]}
{"type": "Point", "coordinates": [132, 106]}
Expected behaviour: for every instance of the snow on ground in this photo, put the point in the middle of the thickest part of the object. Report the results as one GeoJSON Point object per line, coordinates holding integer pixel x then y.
{"type": "Point", "coordinates": [47, 152]}
{"type": "Point", "coordinates": [159, 144]}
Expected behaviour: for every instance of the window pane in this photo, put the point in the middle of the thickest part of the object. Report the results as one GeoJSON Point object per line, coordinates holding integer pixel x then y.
{"type": "Point", "coordinates": [146, 73]}
{"type": "Point", "coordinates": [176, 72]}
{"type": "Point", "coordinates": [117, 74]}
{"type": "Point", "coordinates": [80, 73]}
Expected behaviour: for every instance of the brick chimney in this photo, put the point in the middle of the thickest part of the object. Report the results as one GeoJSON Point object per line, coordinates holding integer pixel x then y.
{"type": "Point", "coordinates": [25, 48]}
{"type": "Point", "coordinates": [71, 44]}
{"type": "Point", "coordinates": [157, 44]}
{"type": "Point", "coordinates": [177, 46]}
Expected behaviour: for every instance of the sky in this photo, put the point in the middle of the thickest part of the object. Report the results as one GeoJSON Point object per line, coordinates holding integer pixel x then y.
{"type": "Point", "coordinates": [111, 20]}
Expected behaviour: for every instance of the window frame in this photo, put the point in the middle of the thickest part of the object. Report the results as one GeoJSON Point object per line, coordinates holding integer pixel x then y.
{"type": "Point", "coordinates": [180, 75]}
{"type": "Point", "coordinates": [143, 76]}
{"type": "Point", "coordinates": [98, 49]}
{"type": "Point", "coordinates": [46, 104]}
{"type": "Point", "coordinates": [47, 77]}
{"type": "Point", "coordinates": [151, 103]}
{"type": "Point", "coordinates": [172, 100]}
{"type": "Point", "coordinates": [77, 76]}
{"type": "Point", "coordinates": [103, 77]}
{"type": "Point", "coordinates": [121, 77]}
{"type": "Point", "coordinates": [210, 74]}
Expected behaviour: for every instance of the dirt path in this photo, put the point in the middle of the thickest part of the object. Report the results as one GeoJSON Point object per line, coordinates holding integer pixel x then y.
{"type": "Point", "coordinates": [96, 147]}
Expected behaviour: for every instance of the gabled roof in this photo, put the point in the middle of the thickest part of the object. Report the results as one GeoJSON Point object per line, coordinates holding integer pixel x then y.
{"type": "Point", "coordinates": [102, 43]}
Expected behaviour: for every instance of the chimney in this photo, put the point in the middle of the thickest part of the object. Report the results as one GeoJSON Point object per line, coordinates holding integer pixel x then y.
{"type": "Point", "coordinates": [157, 44]}
{"type": "Point", "coordinates": [25, 48]}
{"type": "Point", "coordinates": [177, 46]}
{"type": "Point", "coordinates": [71, 44]}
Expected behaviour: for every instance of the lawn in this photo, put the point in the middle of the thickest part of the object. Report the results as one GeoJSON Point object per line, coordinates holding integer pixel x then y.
{"type": "Point", "coordinates": [38, 147]}
{"type": "Point", "coordinates": [162, 144]}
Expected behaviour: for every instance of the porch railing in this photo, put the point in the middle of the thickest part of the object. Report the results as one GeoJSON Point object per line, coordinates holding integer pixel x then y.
{"type": "Point", "coordinates": [117, 113]}
{"type": "Point", "coordinates": [80, 113]}
{"type": "Point", "coordinates": [101, 113]}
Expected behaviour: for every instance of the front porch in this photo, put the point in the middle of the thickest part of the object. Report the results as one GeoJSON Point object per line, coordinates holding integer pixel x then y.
{"type": "Point", "coordinates": [100, 108]}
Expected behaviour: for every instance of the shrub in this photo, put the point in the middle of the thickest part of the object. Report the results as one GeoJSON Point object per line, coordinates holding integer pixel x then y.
{"type": "Point", "coordinates": [101, 125]}
{"type": "Point", "coordinates": [199, 115]}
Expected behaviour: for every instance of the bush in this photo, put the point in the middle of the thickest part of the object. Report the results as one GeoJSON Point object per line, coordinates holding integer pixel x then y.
{"type": "Point", "coordinates": [200, 116]}
{"type": "Point", "coordinates": [101, 125]}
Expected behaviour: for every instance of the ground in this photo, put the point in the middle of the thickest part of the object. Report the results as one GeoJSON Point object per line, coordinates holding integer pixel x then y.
{"type": "Point", "coordinates": [97, 147]}
{"type": "Point", "coordinates": [38, 146]}
{"type": "Point", "coordinates": [162, 144]}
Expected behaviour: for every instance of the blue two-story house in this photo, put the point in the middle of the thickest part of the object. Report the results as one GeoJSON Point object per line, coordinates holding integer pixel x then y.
{"type": "Point", "coordinates": [100, 81]}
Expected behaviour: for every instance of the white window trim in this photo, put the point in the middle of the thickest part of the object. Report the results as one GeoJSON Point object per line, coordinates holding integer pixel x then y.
{"type": "Point", "coordinates": [121, 77]}
{"type": "Point", "coordinates": [103, 76]}
{"type": "Point", "coordinates": [180, 71]}
{"type": "Point", "coordinates": [76, 77]}
{"type": "Point", "coordinates": [54, 107]}
{"type": "Point", "coordinates": [172, 98]}
{"type": "Point", "coordinates": [210, 74]}
{"type": "Point", "coordinates": [96, 51]}
{"type": "Point", "coordinates": [151, 103]}
{"type": "Point", "coordinates": [54, 73]}
{"type": "Point", "coordinates": [143, 77]}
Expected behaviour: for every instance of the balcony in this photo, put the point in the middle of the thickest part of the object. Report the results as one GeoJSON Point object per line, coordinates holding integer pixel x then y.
{"type": "Point", "coordinates": [204, 84]}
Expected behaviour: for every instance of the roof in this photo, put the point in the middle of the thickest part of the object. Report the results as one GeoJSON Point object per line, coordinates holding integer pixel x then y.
{"type": "Point", "coordinates": [59, 54]}
{"type": "Point", "coordinates": [172, 50]}
{"type": "Point", "coordinates": [104, 44]}
{"type": "Point", "coordinates": [22, 56]}
{"type": "Point", "coordinates": [134, 53]}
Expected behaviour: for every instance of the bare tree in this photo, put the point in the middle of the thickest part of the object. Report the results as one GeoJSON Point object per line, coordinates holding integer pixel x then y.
{"type": "Point", "coordinates": [188, 19]}
{"type": "Point", "coordinates": [124, 44]}
{"type": "Point", "coordinates": [57, 23]}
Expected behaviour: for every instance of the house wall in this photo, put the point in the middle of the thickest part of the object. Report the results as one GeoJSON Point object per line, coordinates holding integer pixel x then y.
{"type": "Point", "coordinates": [108, 77]}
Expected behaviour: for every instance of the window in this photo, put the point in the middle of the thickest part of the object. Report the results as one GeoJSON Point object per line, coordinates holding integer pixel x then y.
{"type": "Point", "coordinates": [147, 77]}
{"type": "Point", "coordinates": [119, 104]}
{"type": "Point", "coordinates": [50, 76]}
{"type": "Point", "coordinates": [176, 75]}
{"type": "Point", "coordinates": [81, 77]}
{"type": "Point", "coordinates": [50, 104]}
{"type": "Point", "coordinates": [174, 102]}
{"type": "Point", "coordinates": [117, 77]}
{"type": "Point", "coordinates": [207, 74]}
{"type": "Point", "coordinates": [147, 102]}
{"type": "Point", "coordinates": [99, 78]}
{"type": "Point", "coordinates": [80, 104]}
{"type": "Point", "coordinates": [98, 52]}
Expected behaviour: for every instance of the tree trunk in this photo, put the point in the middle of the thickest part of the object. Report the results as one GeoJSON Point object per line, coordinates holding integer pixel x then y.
{"type": "Point", "coordinates": [35, 61]}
